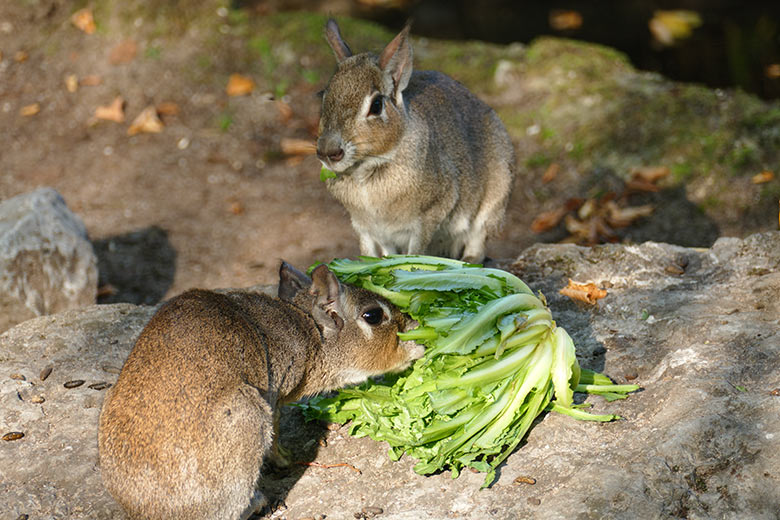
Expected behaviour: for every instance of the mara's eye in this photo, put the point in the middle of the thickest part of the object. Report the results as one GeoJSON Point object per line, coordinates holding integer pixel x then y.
{"type": "Point", "coordinates": [373, 316]}
{"type": "Point", "coordinates": [376, 105]}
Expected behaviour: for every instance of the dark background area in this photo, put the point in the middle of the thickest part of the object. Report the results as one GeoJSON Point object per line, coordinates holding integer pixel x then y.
{"type": "Point", "coordinates": [736, 44]}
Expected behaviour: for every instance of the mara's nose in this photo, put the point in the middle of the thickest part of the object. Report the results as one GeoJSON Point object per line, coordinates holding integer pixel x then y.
{"type": "Point", "coordinates": [335, 156]}
{"type": "Point", "coordinates": [329, 148]}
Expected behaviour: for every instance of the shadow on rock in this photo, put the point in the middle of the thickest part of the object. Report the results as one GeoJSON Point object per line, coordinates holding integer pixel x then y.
{"type": "Point", "coordinates": [137, 267]}
{"type": "Point", "coordinates": [302, 440]}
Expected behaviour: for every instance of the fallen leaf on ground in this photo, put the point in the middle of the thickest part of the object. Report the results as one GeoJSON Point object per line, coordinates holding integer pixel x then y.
{"type": "Point", "coordinates": [650, 173]}
{"type": "Point", "coordinates": [669, 26]}
{"type": "Point", "coordinates": [588, 209]}
{"type": "Point", "coordinates": [588, 293]}
{"type": "Point", "coordinates": [764, 176]}
{"type": "Point", "coordinates": [167, 108]}
{"type": "Point", "coordinates": [113, 112]}
{"type": "Point", "coordinates": [146, 122]}
{"type": "Point", "coordinates": [30, 110]}
{"type": "Point", "coordinates": [106, 290]}
{"type": "Point", "coordinates": [92, 80]}
{"type": "Point", "coordinates": [71, 83]}
{"type": "Point", "coordinates": [285, 111]}
{"type": "Point", "coordinates": [236, 208]}
{"type": "Point", "coordinates": [591, 231]}
{"type": "Point", "coordinates": [623, 217]}
{"type": "Point", "coordinates": [550, 173]}
{"type": "Point", "coordinates": [562, 20]}
{"type": "Point", "coordinates": [297, 146]}
{"type": "Point", "coordinates": [84, 20]}
{"type": "Point", "coordinates": [548, 219]}
{"type": "Point", "coordinates": [123, 52]}
{"type": "Point", "coordinates": [640, 185]}
{"type": "Point", "coordinates": [239, 85]}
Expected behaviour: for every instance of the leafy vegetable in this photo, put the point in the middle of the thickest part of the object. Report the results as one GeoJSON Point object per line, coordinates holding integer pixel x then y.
{"type": "Point", "coordinates": [326, 174]}
{"type": "Point", "coordinates": [495, 360]}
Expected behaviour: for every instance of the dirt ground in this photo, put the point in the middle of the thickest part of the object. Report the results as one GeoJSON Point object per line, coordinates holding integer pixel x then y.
{"type": "Point", "coordinates": [209, 201]}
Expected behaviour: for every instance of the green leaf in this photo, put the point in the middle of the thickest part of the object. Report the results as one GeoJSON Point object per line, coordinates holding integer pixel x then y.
{"type": "Point", "coordinates": [326, 174]}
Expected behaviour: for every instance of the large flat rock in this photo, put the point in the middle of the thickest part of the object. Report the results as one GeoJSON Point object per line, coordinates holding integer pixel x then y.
{"type": "Point", "coordinates": [696, 328]}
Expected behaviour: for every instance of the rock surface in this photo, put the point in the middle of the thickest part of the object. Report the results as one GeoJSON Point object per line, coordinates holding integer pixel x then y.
{"type": "Point", "coordinates": [47, 264]}
{"type": "Point", "coordinates": [696, 328]}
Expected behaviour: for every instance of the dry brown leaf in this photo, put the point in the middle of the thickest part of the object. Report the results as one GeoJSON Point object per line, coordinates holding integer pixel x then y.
{"type": "Point", "coordinates": [30, 110]}
{"type": "Point", "coordinates": [668, 27]}
{"type": "Point", "coordinates": [285, 111]}
{"type": "Point", "coordinates": [562, 20]}
{"type": "Point", "coordinates": [124, 52]}
{"type": "Point", "coordinates": [106, 290]}
{"type": "Point", "coordinates": [640, 185]}
{"type": "Point", "coordinates": [84, 20]}
{"type": "Point", "coordinates": [550, 173]}
{"type": "Point", "coordinates": [297, 146]}
{"type": "Point", "coordinates": [236, 208]}
{"type": "Point", "coordinates": [588, 293]}
{"type": "Point", "coordinates": [239, 85]}
{"type": "Point", "coordinates": [168, 108]}
{"type": "Point", "coordinates": [21, 56]}
{"type": "Point", "coordinates": [113, 112]}
{"type": "Point", "coordinates": [588, 209]}
{"type": "Point", "coordinates": [71, 83]}
{"type": "Point", "coordinates": [92, 80]}
{"type": "Point", "coordinates": [623, 217]}
{"type": "Point", "coordinates": [764, 176]}
{"type": "Point", "coordinates": [651, 174]}
{"type": "Point", "coordinates": [146, 122]}
{"type": "Point", "coordinates": [548, 219]}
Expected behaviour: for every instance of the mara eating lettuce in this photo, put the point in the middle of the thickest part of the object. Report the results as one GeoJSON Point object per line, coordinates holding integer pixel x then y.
{"type": "Point", "coordinates": [494, 361]}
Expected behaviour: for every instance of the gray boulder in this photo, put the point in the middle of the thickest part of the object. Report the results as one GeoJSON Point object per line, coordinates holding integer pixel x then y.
{"type": "Point", "coordinates": [698, 329]}
{"type": "Point", "coordinates": [47, 264]}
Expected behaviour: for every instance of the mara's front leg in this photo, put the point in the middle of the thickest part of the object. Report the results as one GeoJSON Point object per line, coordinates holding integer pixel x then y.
{"type": "Point", "coordinates": [420, 235]}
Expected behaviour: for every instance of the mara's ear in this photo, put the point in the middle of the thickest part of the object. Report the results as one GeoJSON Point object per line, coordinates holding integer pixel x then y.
{"type": "Point", "coordinates": [339, 46]}
{"type": "Point", "coordinates": [291, 282]}
{"type": "Point", "coordinates": [327, 309]}
{"type": "Point", "coordinates": [396, 60]}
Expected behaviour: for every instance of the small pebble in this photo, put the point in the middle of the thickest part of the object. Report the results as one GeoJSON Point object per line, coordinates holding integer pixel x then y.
{"type": "Point", "coordinates": [18, 377]}
{"type": "Point", "coordinates": [73, 384]}
{"type": "Point", "coordinates": [45, 373]}
{"type": "Point", "coordinates": [13, 436]}
{"type": "Point", "coordinates": [110, 369]}
{"type": "Point", "coordinates": [674, 269]}
{"type": "Point", "coordinates": [99, 386]}
{"type": "Point", "coordinates": [370, 512]}
{"type": "Point", "coordinates": [37, 399]}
